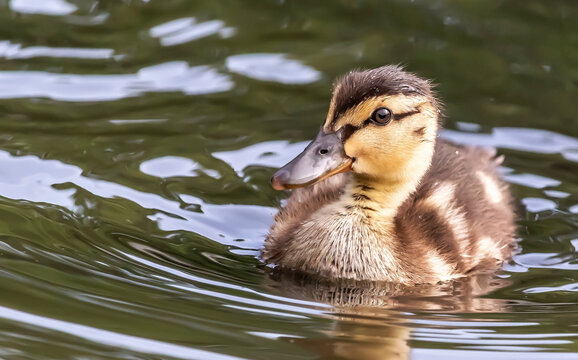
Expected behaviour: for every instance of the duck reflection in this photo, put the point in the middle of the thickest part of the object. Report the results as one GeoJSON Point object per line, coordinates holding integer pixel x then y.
{"type": "Point", "coordinates": [370, 320]}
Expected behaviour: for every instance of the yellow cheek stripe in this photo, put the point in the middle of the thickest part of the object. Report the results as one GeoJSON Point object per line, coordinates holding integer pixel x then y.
{"type": "Point", "coordinates": [357, 115]}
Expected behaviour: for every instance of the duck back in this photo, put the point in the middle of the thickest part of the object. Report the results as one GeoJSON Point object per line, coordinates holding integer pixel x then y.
{"type": "Point", "coordinates": [461, 215]}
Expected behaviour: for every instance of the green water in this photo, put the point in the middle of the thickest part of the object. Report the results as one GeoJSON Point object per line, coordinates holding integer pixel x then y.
{"type": "Point", "coordinates": [137, 139]}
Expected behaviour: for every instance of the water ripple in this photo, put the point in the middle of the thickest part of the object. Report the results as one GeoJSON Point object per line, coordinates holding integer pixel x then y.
{"type": "Point", "coordinates": [170, 76]}
{"type": "Point", "coordinates": [11, 51]}
{"type": "Point", "coordinates": [43, 7]}
{"type": "Point", "coordinates": [181, 31]}
{"type": "Point", "coordinates": [110, 338]}
{"type": "Point", "coordinates": [272, 67]}
{"type": "Point", "coordinates": [523, 139]}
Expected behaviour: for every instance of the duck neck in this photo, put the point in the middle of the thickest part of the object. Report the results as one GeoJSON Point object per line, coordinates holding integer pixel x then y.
{"type": "Point", "coordinates": [376, 197]}
{"type": "Point", "coordinates": [379, 197]}
{"type": "Point", "coordinates": [378, 200]}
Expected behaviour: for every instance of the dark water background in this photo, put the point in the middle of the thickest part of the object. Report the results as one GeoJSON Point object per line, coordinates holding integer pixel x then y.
{"type": "Point", "coordinates": [137, 139]}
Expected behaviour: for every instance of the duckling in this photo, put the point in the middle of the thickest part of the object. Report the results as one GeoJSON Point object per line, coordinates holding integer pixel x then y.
{"type": "Point", "coordinates": [377, 196]}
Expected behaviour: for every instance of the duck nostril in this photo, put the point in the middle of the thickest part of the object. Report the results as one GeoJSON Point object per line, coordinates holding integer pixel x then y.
{"type": "Point", "coordinates": [323, 151]}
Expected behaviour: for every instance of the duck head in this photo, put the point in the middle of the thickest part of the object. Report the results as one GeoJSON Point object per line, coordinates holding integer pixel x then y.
{"type": "Point", "coordinates": [381, 125]}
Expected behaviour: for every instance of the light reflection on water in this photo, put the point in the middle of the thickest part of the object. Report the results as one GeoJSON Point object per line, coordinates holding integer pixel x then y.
{"type": "Point", "coordinates": [11, 51]}
{"type": "Point", "coordinates": [136, 151]}
{"type": "Point", "coordinates": [112, 339]}
{"type": "Point", "coordinates": [44, 7]}
{"type": "Point", "coordinates": [172, 76]}
{"type": "Point", "coordinates": [531, 140]}
{"type": "Point", "coordinates": [272, 67]}
{"type": "Point", "coordinates": [180, 31]}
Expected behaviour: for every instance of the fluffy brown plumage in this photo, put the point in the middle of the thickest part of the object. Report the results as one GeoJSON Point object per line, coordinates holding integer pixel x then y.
{"type": "Point", "coordinates": [413, 209]}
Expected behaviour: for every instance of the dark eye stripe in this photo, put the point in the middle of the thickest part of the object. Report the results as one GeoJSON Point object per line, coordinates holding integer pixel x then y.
{"type": "Point", "coordinates": [347, 131]}
{"type": "Point", "coordinates": [397, 117]}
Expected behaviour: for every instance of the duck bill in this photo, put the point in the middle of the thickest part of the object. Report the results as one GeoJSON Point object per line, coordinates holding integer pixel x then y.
{"type": "Point", "coordinates": [322, 158]}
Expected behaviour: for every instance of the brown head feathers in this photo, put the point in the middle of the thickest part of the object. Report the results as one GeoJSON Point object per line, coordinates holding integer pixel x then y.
{"type": "Point", "coordinates": [360, 85]}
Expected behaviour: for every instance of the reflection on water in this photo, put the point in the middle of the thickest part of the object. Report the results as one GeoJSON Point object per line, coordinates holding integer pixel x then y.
{"type": "Point", "coordinates": [272, 67]}
{"type": "Point", "coordinates": [171, 76]}
{"type": "Point", "coordinates": [138, 138]}
{"type": "Point", "coordinates": [532, 140]}
{"type": "Point", "coordinates": [357, 339]}
{"type": "Point", "coordinates": [109, 338]}
{"type": "Point", "coordinates": [11, 51]}
{"type": "Point", "coordinates": [44, 7]}
{"type": "Point", "coordinates": [180, 31]}
{"type": "Point", "coordinates": [365, 298]}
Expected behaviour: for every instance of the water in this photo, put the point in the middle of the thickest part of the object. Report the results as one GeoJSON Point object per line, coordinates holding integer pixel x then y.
{"type": "Point", "coordinates": [137, 139]}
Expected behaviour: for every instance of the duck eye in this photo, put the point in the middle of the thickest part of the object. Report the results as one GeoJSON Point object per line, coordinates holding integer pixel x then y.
{"type": "Point", "coordinates": [381, 116]}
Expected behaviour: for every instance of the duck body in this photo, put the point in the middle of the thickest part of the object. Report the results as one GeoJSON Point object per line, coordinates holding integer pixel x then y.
{"type": "Point", "coordinates": [407, 207]}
